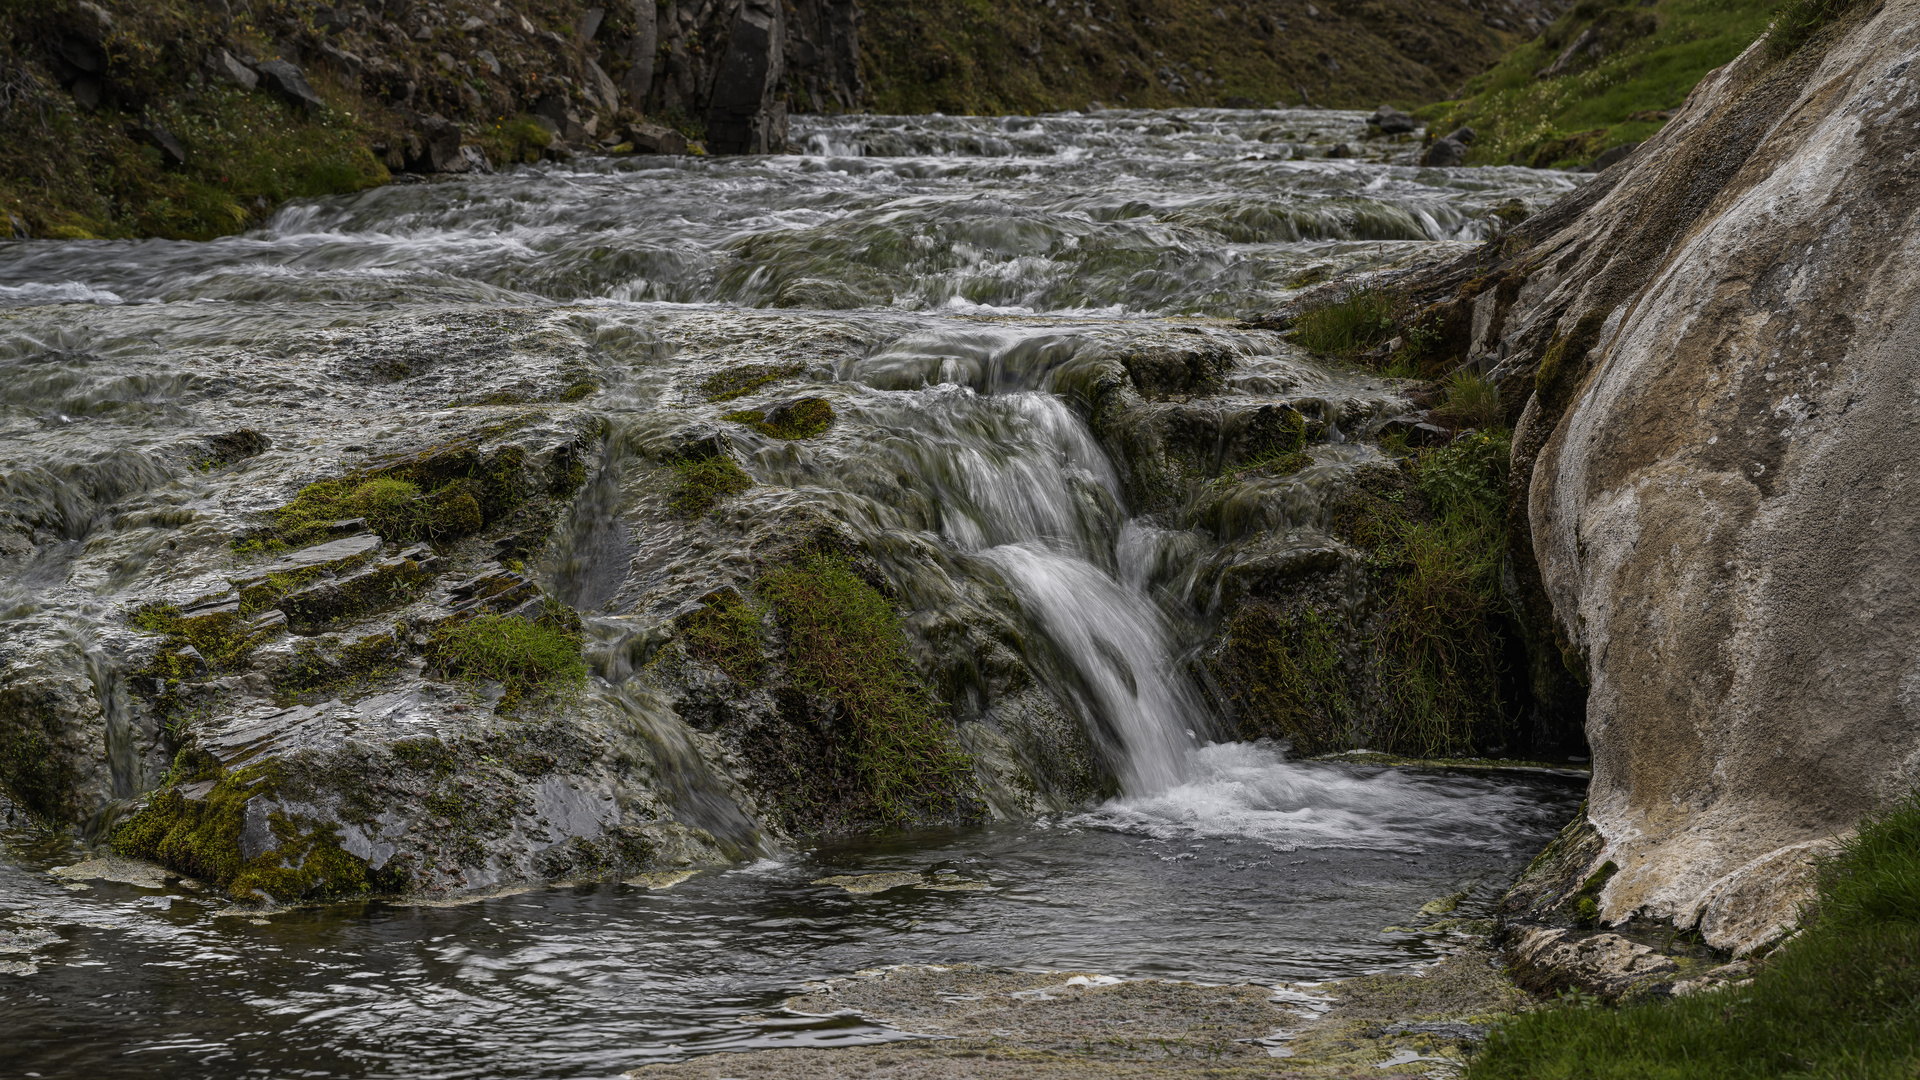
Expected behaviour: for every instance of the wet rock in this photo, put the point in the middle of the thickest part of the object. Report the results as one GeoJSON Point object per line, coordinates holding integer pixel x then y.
{"type": "Point", "coordinates": [359, 592]}
{"type": "Point", "coordinates": [654, 139]}
{"type": "Point", "coordinates": [1614, 155]}
{"type": "Point", "coordinates": [1340, 150]}
{"type": "Point", "coordinates": [1444, 153]}
{"type": "Point", "coordinates": [287, 80]}
{"type": "Point", "coordinates": [1392, 121]}
{"type": "Point", "coordinates": [748, 115]}
{"type": "Point", "coordinates": [1417, 430]}
{"type": "Point", "coordinates": [1546, 961]}
{"type": "Point", "coordinates": [1463, 135]}
{"type": "Point", "coordinates": [434, 145]}
{"type": "Point", "coordinates": [231, 446]}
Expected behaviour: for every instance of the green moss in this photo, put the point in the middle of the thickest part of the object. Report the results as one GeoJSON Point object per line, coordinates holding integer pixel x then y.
{"type": "Point", "coordinates": [802, 419]}
{"type": "Point", "coordinates": [1284, 678]}
{"type": "Point", "coordinates": [223, 640]}
{"type": "Point", "coordinates": [1365, 316]}
{"type": "Point", "coordinates": [726, 633]}
{"type": "Point", "coordinates": [1586, 902]}
{"type": "Point", "coordinates": [524, 655]}
{"type": "Point", "coordinates": [512, 140]}
{"type": "Point", "coordinates": [701, 484]}
{"type": "Point", "coordinates": [1564, 366]}
{"type": "Point", "coordinates": [441, 494]}
{"type": "Point", "coordinates": [1842, 999]}
{"type": "Point", "coordinates": [37, 773]}
{"type": "Point", "coordinates": [1649, 58]}
{"type": "Point", "coordinates": [201, 838]}
{"type": "Point", "coordinates": [744, 380]}
{"type": "Point", "coordinates": [845, 641]}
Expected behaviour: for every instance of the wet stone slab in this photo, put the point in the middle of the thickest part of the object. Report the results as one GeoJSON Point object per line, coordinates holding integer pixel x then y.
{"type": "Point", "coordinates": [981, 1022]}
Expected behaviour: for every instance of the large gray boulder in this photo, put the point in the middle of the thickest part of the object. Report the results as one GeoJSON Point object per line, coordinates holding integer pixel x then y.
{"type": "Point", "coordinates": [1718, 472]}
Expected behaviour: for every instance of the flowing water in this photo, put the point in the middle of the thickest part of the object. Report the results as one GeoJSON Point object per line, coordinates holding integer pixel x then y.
{"type": "Point", "coordinates": [939, 277]}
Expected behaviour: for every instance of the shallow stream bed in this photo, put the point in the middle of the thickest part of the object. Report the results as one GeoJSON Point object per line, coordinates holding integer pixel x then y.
{"type": "Point", "coordinates": [930, 273]}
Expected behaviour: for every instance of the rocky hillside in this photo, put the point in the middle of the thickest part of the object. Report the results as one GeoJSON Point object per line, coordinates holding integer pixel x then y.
{"type": "Point", "coordinates": [195, 118]}
{"type": "Point", "coordinates": [958, 57]}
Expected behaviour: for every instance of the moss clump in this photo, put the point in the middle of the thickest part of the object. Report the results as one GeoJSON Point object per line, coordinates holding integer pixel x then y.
{"type": "Point", "coordinates": [725, 632]}
{"type": "Point", "coordinates": [441, 494]}
{"type": "Point", "coordinates": [511, 140]}
{"type": "Point", "coordinates": [201, 838]}
{"type": "Point", "coordinates": [222, 640]}
{"type": "Point", "coordinates": [744, 380]}
{"type": "Point", "coordinates": [802, 419]}
{"type": "Point", "coordinates": [1284, 678]}
{"type": "Point", "coordinates": [845, 641]}
{"type": "Point", "coordinates": [524, 655]}
{"type": "Point", "coordinates": [1364, 317]}
{"type": "Point", "coordinates": [1842, 999]}
{"type": "Point", "coordinates": [702, 483]}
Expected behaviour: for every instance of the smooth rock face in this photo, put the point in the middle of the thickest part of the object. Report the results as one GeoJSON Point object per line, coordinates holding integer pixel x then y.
{"type": "Point", "coordinates": [1607, 963]}
{"type": "Point", "coordinates": [748, 115]}
{"type": "Point", "coordinates": [1724, 512]}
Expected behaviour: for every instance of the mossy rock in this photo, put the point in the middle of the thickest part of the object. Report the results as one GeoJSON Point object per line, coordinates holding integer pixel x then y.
{"type": "Point", "coordinates": [802, 418]}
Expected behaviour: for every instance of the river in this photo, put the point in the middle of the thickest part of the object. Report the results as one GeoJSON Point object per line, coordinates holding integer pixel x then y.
{"type": "Point", "coordinates": [934, 275]}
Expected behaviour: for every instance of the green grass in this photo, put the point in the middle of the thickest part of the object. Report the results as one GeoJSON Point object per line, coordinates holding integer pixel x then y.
{"type": "Point", "coordinates": [1365, 316]}
{"type": "Point", "coordinates": [1798, 21]}
{"type": "Point", "coordinates": [1443, 638]}
{"type": "Point", "coordinates": [1842, 1000]}
{"type": "Point", "coordinates": [700, 485]}
{"type": "Point", "coordinates": [1472, 401]}
{"type": "Point", "coordinates": [845, 641]}
{"type": "Point", "coordinates": [526, 656]}
{"type": "Point", "coordinates": [1653, 57]}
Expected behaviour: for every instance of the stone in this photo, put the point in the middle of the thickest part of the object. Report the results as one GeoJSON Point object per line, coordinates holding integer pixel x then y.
{"type": "Point", "coordinates": [334, 556]}
{"type": "Point", "coordinates": [654, 139]}
{"type": "Point", "coordinates": [1444, 153]}
{"type": "Point", "coordinates": [163, 140]}
{"type": "Point", "coordinates": [1718, 475]}
{"type": "Point", "coordinates": [1608, 965]}
{"type": "Point", "coordinates": [435, 146]}
{"type": "Point", "coordinates": [748, 113]}
{"type": "Point", "coordinates": [1614, 155]}
{"type": "Point", "coordinates": [1340, 150]}
{"type": "Point", "coordinates": [287, 80]}
{"type": "Point", "coordinates": [229, 70]}
{"type": "Point", "coordinates": [1392, 121]}
{"type": "Point", "coordinates": [1463, 135]}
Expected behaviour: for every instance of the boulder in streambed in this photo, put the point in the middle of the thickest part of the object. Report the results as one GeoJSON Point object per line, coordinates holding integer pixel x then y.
{"type": "Point", "coordinates": [1714, 340]}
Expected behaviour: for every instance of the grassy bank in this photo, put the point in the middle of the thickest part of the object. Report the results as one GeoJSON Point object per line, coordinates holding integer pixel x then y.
{"type": "Point", "coordinates": [1840, 1000]}
{"type": "Point", "coordinates": [1604, 74]}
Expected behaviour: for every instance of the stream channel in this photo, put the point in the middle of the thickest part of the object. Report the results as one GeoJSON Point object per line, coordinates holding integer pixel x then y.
{"type": "Point", "coordinates": [950, 262]}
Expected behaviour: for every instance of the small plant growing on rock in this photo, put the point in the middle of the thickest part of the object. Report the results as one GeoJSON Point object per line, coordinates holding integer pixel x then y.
{"type": "Point", "coordinates": [1364, 317]}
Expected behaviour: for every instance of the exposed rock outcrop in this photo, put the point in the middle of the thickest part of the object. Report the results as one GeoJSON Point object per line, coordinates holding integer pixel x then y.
{"type": "Point", "coordinates": [1713, 342]}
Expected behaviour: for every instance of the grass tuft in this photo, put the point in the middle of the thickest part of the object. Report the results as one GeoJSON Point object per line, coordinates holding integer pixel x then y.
{"type": "Point", "coordinates": [1798, 20]}
{"type": "Point", "coordinates": [845, 641]}
{"type": "Point", "coordinates": [1840, 1000]}
{"type": "Point", "coordinates": [1472, 401]}
{"type": "Point", "coordinates": [1364, 317]}
{"type": "Point", "coordinates": [726, 633]}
